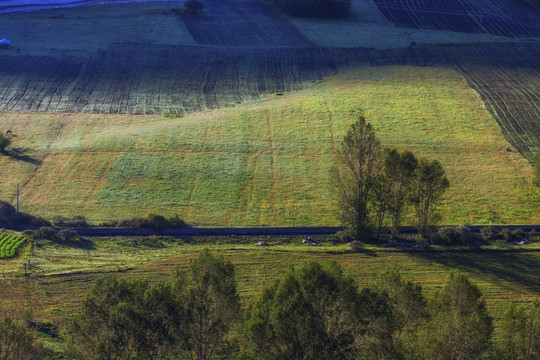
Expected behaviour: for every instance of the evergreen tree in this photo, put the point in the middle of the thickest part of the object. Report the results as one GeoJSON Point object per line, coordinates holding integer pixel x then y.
{"type": "Point", "coordinates": [459, 326]}
{"type": "Point", "coordinates": [316, 312]}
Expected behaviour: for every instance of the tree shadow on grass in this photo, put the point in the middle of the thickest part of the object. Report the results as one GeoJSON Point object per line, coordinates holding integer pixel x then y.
{"type": "Point", "coordinates": [21, 157]}
{"type": "Point", "coordinates": [517, 267]}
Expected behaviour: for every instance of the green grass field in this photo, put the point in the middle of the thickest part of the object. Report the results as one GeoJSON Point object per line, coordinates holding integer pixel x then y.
{"type": "Point", "coordinates": [60, 276]}
{"type": "Point", "coordinates": [266, 162]}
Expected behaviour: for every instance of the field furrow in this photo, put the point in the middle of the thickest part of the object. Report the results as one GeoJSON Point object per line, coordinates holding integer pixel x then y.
{"type": "Point", "coordinates": [497, 17]}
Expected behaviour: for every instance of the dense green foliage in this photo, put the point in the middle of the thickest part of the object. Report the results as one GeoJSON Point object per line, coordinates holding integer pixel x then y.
{"type": "Point", "coordinates": [431, 183]}
{"type": "Point", "coordinates": [9, 244]}
{"type": "Point", "coordinates": [17, 342]}
{"type": "Point", "coordinates": [314, 8]}
{"type": "Point", "coordinates": [358, 165]}
{"type": "Point", "coordinates": [459, 326]}
{"type": "Point", "coordinates": [310, 312]}
{"type": "Point", "coordinates": [62, 275]}
{"type": "Point", "coordinates": [520, 333]}
{"type": "Point", "coordinates": [189, 315]}
{"type": "Point", "coordinates": [396, 186]}
{"type": "Point", "coordinates": [316, 312]}
{"type": "Point", "coordinates": [372, 184]}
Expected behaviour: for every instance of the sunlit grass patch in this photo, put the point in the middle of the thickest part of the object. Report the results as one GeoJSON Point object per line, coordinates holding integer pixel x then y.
{"type": "Point", "coordinates": [267, 163]}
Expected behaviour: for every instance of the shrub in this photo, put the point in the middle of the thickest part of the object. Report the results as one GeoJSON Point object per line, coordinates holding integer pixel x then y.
{"type": "Point", "coordinates": [518, 234]}
{"type": "Point", "coordinates": [534, 236]}
{"type": "Point", "coordinates": [5, 141]}
{"type": "Point", "coordinates": [48, 233]}
{"type": "Point", "coordinates": [155, 222]}
{"type": "Point", "coordinates": [30, 233]}
{"type": "Point", "coordinates": [420, 239]}
{"type": "Point", "coordinates": [314, 8]}
{"type": "Point", "coordinates": [76, 221]}
{"type": "Point", "coordinates": [446, 235]}
{"type": "Point", "coordinates": [489, 233]}
{"type": "Point", "coordinates": [68, 235]}
{"type": "Point", "coordinates": [344, 237]}
{"type": "Point", "coordinates": [10, 217]}
{"type": "Point", "coordinates": [506, 235]}
{"type": "Point", "coordinates": [501, 243]}
{"type": "Point", "coordinates": [456, 235]}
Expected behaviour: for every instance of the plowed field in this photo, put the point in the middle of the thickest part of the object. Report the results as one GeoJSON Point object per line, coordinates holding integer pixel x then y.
{"type": "Point", "coordinates": [163, 79]}
{"type": "Point", "coordinates": [498, 17]}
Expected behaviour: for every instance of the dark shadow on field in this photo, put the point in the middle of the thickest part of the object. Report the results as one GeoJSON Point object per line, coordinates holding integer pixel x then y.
{"type": "Point", "coordinates": [519, 267]}
{"type": "Point", "coordinates": [367, 252]}
{"type": "Point", "coordinates": [24, 158]}
{"type": "Point", "coordinates": [85, 244]}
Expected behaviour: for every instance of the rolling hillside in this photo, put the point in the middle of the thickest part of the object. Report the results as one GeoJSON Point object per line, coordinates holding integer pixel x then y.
{"type": "Point", "coordinates": [266, 162]}
{"type": "Point", "coordinates": [252, 117]}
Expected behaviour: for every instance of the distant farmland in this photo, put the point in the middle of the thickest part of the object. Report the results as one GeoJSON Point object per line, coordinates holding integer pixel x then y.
{"type": "Point", "coordinates": [92, 110]}
{"type": "Point", "coordinates": [507, 77]}
{"type": "Point", "coordinates": [498, 17]}
{"type": "Point", "coordinates": [185, 79]}
{"type": "Point", "coordinates": [246, 23]}
{"type": "Point", "coordinates": [163, 79]}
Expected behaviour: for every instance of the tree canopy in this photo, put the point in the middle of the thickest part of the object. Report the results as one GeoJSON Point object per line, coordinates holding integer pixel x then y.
{"type": "Point", "coordinates": [358, 165]}
{"type": "Point", "coordinates": [316, 312]}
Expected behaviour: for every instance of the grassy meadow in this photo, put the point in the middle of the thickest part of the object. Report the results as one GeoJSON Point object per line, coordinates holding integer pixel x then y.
{"type": "Point", "coordinates": [60, 276]}
{"type": "Point", "coordinates": [267, 162]}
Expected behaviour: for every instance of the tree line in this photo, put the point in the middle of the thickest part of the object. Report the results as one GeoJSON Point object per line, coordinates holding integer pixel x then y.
{"type": "Point", "coordinates": [375, 183]}
{"type": "Point", "coordinates": [313, 311]}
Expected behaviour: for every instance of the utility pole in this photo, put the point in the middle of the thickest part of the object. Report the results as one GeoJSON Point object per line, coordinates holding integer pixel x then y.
{"type": "Point", "coordinates": [17, 198]}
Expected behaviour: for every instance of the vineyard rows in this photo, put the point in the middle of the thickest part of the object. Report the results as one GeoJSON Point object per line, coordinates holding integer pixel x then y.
{"type": "Point", "coordinates": [248, 23]}
{"type": "Point", "coordinates": [497, 17]}
{"type": "Point", "coordinates": [9, 244]}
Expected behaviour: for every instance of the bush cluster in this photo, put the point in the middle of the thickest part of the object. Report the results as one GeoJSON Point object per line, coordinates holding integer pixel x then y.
{"type": "Point", "coordinates": [62, 236]}
{"type": "Point", "coordinates": [155, 222]}
{"type": "Point", "coordinates": [9, 217]}
{"type": "Point", "coordinates": [64, 222]}
{"type": "Point", "coordinates": [314, 8]}
{"type": "Point", "coordinates": [462, 235]}
{"type": "Point", "coordinates": [456, 235]}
